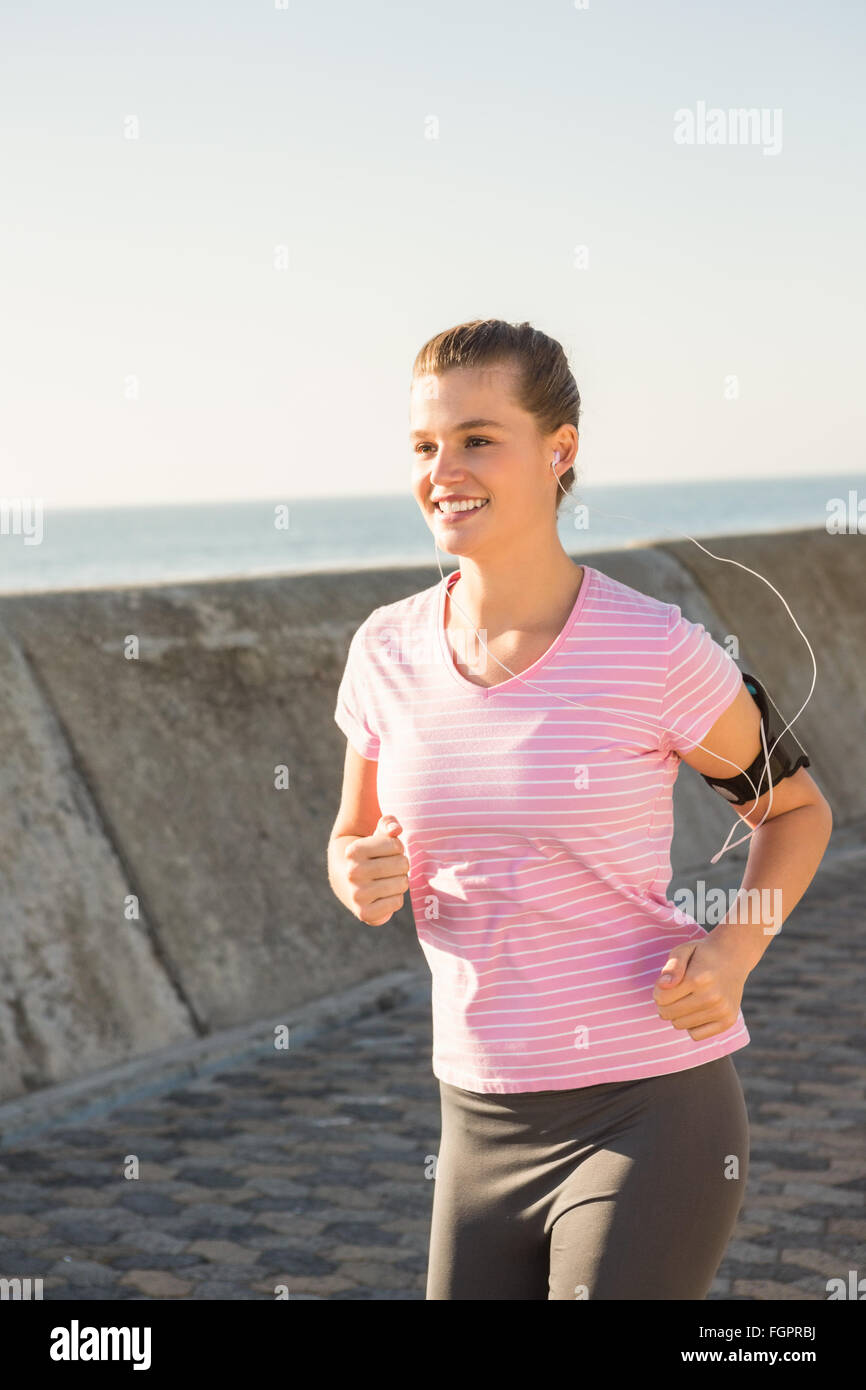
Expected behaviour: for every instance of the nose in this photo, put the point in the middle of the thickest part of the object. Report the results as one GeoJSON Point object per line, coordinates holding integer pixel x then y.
{"type": "Point", "coordinates": [445, 469]}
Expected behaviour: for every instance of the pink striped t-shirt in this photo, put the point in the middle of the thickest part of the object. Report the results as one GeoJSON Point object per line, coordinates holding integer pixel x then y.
{"type": "Point", "coordinates": [538, 834]}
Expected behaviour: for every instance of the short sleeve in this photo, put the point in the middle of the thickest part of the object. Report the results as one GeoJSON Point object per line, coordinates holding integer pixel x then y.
{"type": "Point", "coordinates": [353, 712]}
{"type": "Point", "coordinates": [701, 681]}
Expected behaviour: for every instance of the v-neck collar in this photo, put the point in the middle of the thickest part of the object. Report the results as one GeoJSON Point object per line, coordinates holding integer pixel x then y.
{"type": "Point", "coordinates": [485, 691]}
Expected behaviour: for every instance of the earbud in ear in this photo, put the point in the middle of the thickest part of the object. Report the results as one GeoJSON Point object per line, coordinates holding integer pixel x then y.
{"type": "Point", "coordinates": [555, 460]}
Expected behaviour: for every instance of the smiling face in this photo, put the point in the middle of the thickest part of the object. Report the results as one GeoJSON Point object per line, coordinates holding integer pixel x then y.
{"type": "Point", "coordinates": [472, 442]}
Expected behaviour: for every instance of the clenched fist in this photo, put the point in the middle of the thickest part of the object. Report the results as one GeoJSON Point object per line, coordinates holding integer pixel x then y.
{"type": "Point", "coordinates": [378, 872]}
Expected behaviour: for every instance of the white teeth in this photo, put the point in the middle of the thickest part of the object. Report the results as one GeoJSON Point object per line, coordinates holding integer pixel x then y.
{"type": "Point", "coordinates": [466, 505]}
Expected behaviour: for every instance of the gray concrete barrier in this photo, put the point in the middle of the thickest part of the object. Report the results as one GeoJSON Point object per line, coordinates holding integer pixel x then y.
{"type": "Point", "coordinates": [160, 883]}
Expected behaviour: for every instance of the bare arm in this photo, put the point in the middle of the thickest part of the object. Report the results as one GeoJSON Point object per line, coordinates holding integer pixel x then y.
{"type": "Point", "coordinates": [701, 985]}
{"type": "Point", "coordinates": [784, 853]}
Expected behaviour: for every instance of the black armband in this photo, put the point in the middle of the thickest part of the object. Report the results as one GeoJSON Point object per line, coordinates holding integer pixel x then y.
{"type": "Point", "coordinates": [785, 758]}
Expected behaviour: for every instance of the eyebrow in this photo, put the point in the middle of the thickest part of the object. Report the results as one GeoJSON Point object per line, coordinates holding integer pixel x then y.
{"type": "Point", "coordinates": [464, 425]}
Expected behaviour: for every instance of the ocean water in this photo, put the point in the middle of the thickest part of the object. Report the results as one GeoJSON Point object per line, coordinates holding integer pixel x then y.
{"type": "Point", "coordinates": [158, 544]}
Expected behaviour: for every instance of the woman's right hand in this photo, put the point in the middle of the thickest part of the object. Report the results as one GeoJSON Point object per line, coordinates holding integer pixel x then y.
{"type": "Point", "coordinates": [378, 872]}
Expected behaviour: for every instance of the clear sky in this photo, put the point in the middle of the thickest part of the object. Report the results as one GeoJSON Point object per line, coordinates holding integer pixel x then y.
{"type": "Point", "coordinates": [154, 348]}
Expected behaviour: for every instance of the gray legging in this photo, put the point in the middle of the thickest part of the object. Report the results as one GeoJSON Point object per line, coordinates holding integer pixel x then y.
{"type": "Point", "coordinates": [629, 1189]}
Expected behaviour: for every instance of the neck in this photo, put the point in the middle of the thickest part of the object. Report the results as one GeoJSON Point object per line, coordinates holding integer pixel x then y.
{"type": "Point", "coordinates": [516, 589]}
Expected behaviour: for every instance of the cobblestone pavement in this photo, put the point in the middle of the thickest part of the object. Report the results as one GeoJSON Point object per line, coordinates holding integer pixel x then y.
{"type": "Point", "coordinates": [307, 1169]}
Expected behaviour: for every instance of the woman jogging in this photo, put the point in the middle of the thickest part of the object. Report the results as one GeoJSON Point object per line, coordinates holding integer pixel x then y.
{"type": "Point", "coordinates": [595, 1138]}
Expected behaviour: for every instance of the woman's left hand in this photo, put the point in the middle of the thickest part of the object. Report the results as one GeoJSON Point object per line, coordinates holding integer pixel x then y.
{"type": "Point", "coordinates": [704, 988]}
